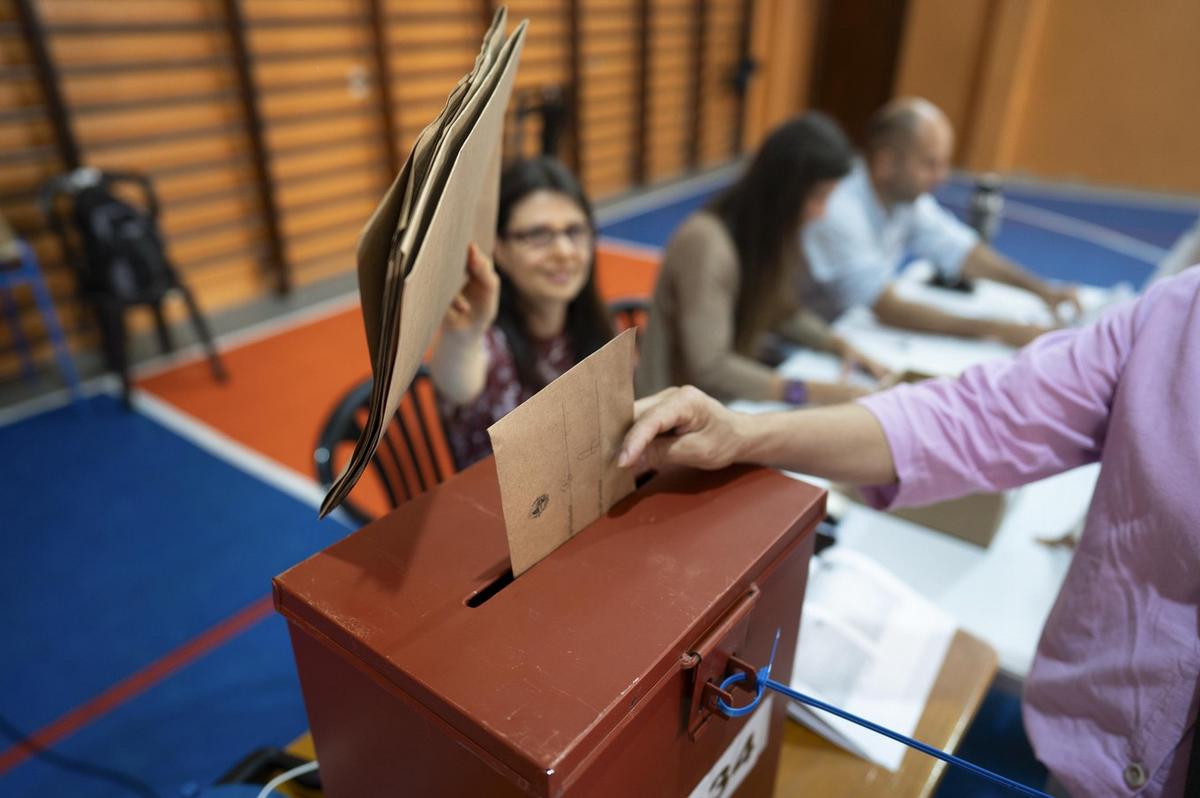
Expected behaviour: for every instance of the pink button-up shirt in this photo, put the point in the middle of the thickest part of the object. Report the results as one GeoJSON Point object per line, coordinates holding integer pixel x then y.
{"type": "Point", "coordinates": [1110, 704]}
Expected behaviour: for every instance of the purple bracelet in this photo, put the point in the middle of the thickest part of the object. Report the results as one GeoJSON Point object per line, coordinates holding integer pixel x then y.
{"type": "Point", "coordinates": [795, 392]}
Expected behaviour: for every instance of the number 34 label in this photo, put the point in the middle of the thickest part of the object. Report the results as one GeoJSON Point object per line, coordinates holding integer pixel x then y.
{"type": "Point", "coordinates": [739, 758]}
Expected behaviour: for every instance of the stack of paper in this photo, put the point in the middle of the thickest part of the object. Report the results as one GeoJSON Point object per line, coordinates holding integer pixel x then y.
{"type": "Point", "coordinates": [870, 645]}
{"type": "Point", "coordinates": [413, 250]}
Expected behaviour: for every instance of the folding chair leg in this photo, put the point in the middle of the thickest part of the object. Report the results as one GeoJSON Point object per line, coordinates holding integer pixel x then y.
{"type": "Point", "coordinates": [214, 359]}
{"type": "Point", "coordinates": [62, 353]}
{"type": "Point", "coordinates": [18, 335]}
{"type": "Point", "coordinates": [112, 331]}
{"type": "Point", "coordinates": [164, 332]}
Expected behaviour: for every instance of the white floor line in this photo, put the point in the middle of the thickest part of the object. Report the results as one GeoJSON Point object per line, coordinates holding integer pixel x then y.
{"type": "Point", "coordinates": [227, 449]}
{"type": "Point", "coordinates": [1087, 231]}
{"type": "Point", "coordinates": [216, 443]}
{"type": "Point", "coordinates": [60, 397]}
{"type": "Point", "coordinates": [1063, 224]}
{"type": "Point", "coordinates": [250, 334]}
{"type": "Point", "coordinates": [1108, 195]}
{"type": "Point", "coordinates": [622, 209]}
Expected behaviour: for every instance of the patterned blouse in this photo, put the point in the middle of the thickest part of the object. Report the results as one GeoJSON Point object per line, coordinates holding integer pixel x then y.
{"type": "Point", "coordinates": [466, 425]}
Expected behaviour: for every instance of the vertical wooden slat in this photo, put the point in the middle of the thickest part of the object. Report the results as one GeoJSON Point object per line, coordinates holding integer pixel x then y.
{"type": "Point", "coordinates": [236, 24]}
{"type": "Point", "coordinates": [575, 54]}
{"type": "Point", "coordinates": [746, 69]}
{"type": "Point", "coordinates": [387, 98]}
{"type": "Point", "coordinates": [47, 76]}
{"type": "Point", "coordinates": [641, 143]}
{"type": "Point", "coordinates": [699, 46]}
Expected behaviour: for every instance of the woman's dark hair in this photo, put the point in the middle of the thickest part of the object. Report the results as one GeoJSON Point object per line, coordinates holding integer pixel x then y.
{"type": "Point", "coordinates": [762, 209]}
{"type": "Point", "coordinates": [587, 327]}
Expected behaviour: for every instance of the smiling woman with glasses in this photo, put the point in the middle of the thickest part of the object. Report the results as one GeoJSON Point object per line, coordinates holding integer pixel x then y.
{"type": "Point", "coordinates": [521, 323]}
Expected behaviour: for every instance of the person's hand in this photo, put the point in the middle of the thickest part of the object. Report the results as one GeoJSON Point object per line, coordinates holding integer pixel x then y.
{"type": "Point", "coordinates": [853, 359]}
{"type": "Point", "coordinates": [1055, 296]}
{"type": "Point", "coordinates": [474, 308]}
{"type": "Point", "coordinates": [1017, 335]}
{"type": "Point", "coordinates": [681, 426]}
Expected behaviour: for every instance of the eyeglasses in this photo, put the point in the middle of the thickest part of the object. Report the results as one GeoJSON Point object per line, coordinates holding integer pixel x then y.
{"type": "Point", "coordinates": [543, 237]}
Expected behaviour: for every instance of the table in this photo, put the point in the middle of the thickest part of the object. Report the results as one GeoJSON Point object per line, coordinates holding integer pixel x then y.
{"type": "Point", "coordinates": [1002, 594]}
{"type": "Point", "coordinates": [811, 765]}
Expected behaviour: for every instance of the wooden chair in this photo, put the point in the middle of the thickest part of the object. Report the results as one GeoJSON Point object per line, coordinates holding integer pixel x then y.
{"type": "Point", "coordinates": [412, 457]}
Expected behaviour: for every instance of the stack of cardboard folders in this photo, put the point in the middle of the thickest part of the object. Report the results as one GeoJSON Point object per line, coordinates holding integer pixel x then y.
{"type": "Point", "coordinates": [412, 251]}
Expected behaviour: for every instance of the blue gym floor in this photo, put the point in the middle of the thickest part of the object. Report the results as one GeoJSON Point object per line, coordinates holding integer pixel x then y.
{"type": "Point", "coordinates": [123, 543]}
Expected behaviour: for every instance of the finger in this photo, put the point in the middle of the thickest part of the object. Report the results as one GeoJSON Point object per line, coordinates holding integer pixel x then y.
{"type": "Point", "coordinates": [1065, 311]}
{"type": "Point", "coordinates": [685, 450]}
{"type": "Point", "coordinates": [663, 417]}
{"type": "Point", "coordinates": [643, 405]}
{"type": "Point", "coordinates": [481, 266]}
{"type": "Point", "coordinates": [669, 450]}
{"type": "Point", "coordinates": [652, 458]}
{"type": "Point", "coordinates": [457, 316]}
{"type": "Point", "coordinates": [882, 372]}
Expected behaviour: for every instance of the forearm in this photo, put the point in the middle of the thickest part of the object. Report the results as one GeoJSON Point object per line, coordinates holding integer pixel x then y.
{"type": "Point", "coordinates": [733, 376]}
{"type": "Point", "coordinates": [985, 263]}
{"type": "Point", "coordinates": [808, 329]}
{"type": "Point", "coordinates": [844, 443]}
{"type": "Point", "coordinates": [459, 367]}
{"type": "Point", "coordinates": [893, 311]}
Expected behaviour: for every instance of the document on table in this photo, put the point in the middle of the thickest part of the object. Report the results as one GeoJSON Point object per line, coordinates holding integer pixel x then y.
{"type": "Point", "coordinates": [870, 645]}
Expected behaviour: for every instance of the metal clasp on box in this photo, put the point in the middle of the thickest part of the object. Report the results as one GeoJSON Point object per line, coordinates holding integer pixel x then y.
{"type": "Point", "coordinates": [713, 658]}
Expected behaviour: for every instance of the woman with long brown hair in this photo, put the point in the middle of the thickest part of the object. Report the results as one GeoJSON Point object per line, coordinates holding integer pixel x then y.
{"type": "Point", "coordinates": [727, 276]}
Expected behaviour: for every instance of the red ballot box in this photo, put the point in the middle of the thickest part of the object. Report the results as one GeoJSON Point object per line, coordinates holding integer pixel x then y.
{"type": "Point", "coordinates": [427, 671]}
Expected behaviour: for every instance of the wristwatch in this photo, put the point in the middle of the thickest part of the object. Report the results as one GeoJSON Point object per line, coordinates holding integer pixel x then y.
{"type": "Point", "coordinates": [795, 392]}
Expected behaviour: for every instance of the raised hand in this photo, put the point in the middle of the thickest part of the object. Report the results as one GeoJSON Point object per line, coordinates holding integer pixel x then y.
{"type": "Point", "coordinates": [473, 309]}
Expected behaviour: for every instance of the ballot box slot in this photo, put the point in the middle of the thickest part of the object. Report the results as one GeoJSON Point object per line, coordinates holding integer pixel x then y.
{"type": "Point", "coordinates": [493, 587]}
{"type": "Point", "coordinates": [503, 576]}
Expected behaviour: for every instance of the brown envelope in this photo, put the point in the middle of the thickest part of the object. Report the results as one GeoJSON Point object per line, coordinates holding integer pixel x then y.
{"type": "Point", "coordinates": [444, 198]}
{"type": "Point", "coordinates": [378, 244]}
{"type": "Point", "coordinates": [556, 454]}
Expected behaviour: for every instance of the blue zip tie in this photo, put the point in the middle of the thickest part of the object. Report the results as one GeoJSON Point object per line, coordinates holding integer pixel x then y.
{"type": "Point", "coordinates": [765, 681]}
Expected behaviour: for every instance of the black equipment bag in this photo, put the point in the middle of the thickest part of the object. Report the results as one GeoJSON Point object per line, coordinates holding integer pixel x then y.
{"type": "Point", "coordinates": [123, 252]}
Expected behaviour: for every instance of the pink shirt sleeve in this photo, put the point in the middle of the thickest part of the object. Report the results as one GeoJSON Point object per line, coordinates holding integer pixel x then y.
{"type": "Point", "coordinates": [1008, 422]}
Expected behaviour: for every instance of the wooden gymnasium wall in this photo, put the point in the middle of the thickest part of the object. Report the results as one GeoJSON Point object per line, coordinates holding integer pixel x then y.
{"type": "Point", "coordinates": [271, 127]}
{"type": "Point", "coordinates": [1099, 91]}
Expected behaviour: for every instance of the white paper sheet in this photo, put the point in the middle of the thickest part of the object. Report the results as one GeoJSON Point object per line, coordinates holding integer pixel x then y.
{"type": "Point", "coordinates": [870, 645]}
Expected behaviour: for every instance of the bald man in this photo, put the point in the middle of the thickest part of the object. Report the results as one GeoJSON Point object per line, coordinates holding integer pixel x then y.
{"type": "Point", "coordinates": [883, 211]}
